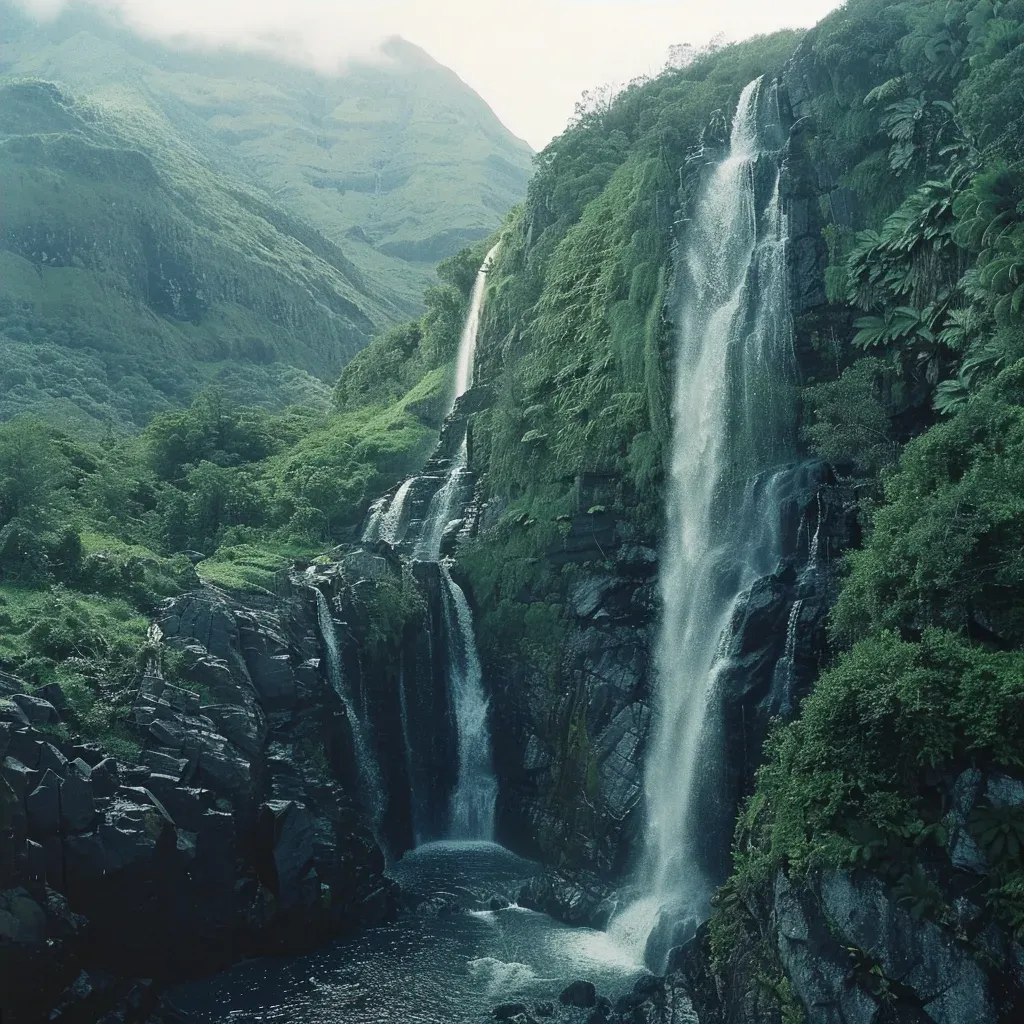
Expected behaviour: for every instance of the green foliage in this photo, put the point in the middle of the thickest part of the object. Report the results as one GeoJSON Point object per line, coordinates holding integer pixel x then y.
{"type": "Point", "coordinates": [999, 831]}
{"type": "Point", "coordinates": [392, 605]}
{"type": "Point", "coordinates": [88, 644]}
{"type": "Point", "coordinates": [918, 894]}
{"type": "Point", "coordinates": [848, 420]}
{"type": "Point", "coordinates": [945, 547]}
{"type": "Point", "coordinates": [875, 727]}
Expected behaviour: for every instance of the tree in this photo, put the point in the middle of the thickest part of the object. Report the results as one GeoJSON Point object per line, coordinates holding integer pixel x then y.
{"type": "Point", "coordinates": [33, 471]}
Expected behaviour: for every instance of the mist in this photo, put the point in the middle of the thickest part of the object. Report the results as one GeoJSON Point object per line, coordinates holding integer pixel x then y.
{"type": "Point", "coordinates": [530, 62]}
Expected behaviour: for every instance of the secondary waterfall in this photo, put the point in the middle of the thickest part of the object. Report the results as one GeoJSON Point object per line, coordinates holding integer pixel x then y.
{"type": "Point", "coordinates": [472, 806]}
{"type": "Point", "coordinates": [471, 810]}
{"type": "Point", "coordinates": [734, 359]}
{"type": "Point", "coordinates": [366, 764]}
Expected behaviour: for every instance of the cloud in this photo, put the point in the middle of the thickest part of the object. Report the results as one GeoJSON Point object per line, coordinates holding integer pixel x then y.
{"type": "Point", "coordinates": [530, 59]}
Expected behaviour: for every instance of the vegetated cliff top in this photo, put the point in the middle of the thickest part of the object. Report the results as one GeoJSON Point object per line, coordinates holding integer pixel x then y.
{"type": "Point", "coordinates": [395, 159]}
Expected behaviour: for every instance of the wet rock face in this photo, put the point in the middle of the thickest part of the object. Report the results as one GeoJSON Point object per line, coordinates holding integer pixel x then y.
{"type": "Point", "coordinates": [776, 643]}
{"type": "Point", "coordinates": [853, 955]}
{"type": "Point", "coordinates": [570, 763]}
{"type": "Point", "coordinates": [229, 835]}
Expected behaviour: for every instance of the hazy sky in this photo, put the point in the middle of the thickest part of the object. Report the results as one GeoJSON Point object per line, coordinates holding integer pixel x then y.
{"type": "Point", "coordinates": [530, 59]}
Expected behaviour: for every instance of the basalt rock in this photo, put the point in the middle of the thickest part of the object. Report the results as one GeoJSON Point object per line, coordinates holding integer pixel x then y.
{"type": "Point", "coordinates": [230, 835]}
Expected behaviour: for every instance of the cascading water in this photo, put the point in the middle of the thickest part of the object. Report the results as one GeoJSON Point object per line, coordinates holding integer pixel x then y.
{"type": "Point", "coordinates": [730, 426]}
{"type": "Point", "coordinates": [369, 772]}
{"type": "Point", "coordinates": [471, 810]}
{"type": "Point", "coordinates": [472, 804]}
{"type": "Point", "coordinates": [467, 343]}
{"type": "Point", "coordinates": [442, 508]}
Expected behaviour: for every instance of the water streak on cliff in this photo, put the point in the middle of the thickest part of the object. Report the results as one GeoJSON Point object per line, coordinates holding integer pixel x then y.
{"type": "Point", "coordinates": [472, 803]}
{"type": "Point", "coordinates": [370, 781]}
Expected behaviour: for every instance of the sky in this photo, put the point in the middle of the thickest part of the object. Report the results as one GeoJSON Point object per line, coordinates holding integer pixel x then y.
{"type": "Point", "coordinates": [529, 59]}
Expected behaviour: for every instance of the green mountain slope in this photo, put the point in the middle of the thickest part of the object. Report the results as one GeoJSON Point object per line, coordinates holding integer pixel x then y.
{"type": "Point", "coordinates": [130, 273]}
{"type": "Point", "coordinates": [397, 160]}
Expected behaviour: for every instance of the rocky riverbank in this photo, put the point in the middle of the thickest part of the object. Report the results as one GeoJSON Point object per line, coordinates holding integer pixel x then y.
{"type": "Point", "coordinates": [232, 833]}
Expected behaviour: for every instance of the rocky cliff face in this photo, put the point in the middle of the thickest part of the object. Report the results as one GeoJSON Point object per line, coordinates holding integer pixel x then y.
{"type": "Point", "coordinates": [856, 947]}
{"type": "Point", "coordinates": [235, 831]}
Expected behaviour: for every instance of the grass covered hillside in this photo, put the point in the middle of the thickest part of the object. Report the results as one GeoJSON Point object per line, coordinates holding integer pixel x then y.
{"type": "Point", "coordinates": [132, 273]}
{"type": "Point", "coordinates": [394, 159]}
{"type": "Point", "coordinates": [95, 532]}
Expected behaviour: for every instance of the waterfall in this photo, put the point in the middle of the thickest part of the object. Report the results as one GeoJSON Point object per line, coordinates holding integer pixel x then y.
{"type": "Point", "coordinates": [472, 803]}
{"type": "Point", "coordinates": [471, 812]}
{"type": "Point", "coordinates": [734, 360]}
{"type": "Point", "coordinates": [370, 781]}
{"type": "Point", "coordinates": [467, 343]}
{"type": "Point", "coordinates": [443, 506]}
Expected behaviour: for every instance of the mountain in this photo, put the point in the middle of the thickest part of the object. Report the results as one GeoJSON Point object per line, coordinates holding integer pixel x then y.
{"type": "Point", "coordinates": [173, 217]}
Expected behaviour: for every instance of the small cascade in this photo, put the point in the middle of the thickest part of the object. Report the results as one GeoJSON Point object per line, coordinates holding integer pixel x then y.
{"type": "Point", "coordinates": [393, 522]}
{"type": "Point", "coordinates": [808, 585]}
{"type": "Point", "coordinates": [443, 508]}
{"type": "Point", "coordinates": [784, 674]}
{"type": "Point", "coordinates": [472, 802]}
{"type": "Point", "coordinates": [370, 780]}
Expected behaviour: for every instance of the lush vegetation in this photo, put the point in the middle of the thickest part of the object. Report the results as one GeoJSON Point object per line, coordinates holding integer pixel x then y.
{"type": "Point", "coordinates": [93, 534]}
{"type": "Point", "coordinates": [924, 413]}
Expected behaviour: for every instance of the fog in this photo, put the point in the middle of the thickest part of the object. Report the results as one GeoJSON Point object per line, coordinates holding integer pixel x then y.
{"type": "Point", "coordinates": [529, 59]}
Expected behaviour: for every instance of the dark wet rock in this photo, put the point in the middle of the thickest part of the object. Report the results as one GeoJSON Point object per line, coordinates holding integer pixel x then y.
{"type": "Point", "coordinates": [105, 777]}
{"type": "Point", "coordinates": [544, 1010]}
{"type": "Point", "coordinates": [581, 901]}
{"type": "Point", "coordinates": [581, 994]}
{"type": "Point", "coordinates": [52, 693]}
{"type": "Point", "coordinates": [506, 1011]}
{"type": "Point", "coordinates": [77, 812]}
{"type": "Point", "coordinates": [11, 711]}
{"type": "Point", "coordinates": [22, 919]}
{"type": "Point", "coordinates": [43, 806]}
{"type": "Point", "coordinates": [37, 710]}
{"type": "Point", "coordinates": [289, 831]}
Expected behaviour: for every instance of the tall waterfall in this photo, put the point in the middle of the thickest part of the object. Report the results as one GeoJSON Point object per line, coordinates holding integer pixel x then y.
{"type": "Point", "coordinates": [370, 781]}
{"type": "Point", "coordinates": [734, 359]}
{"type": "Point", "coordinates": [472, 804]}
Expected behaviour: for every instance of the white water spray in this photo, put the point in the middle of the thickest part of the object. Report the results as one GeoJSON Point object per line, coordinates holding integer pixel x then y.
{"type": "Point", "coordinates": [472, 804]}
{"type": "Point", "coordinates": [734, 355]}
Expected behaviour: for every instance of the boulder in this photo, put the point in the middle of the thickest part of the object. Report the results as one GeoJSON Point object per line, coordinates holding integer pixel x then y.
{"type": "Point", "coordinates": [273, 678]}
{"type": "Point", "coordinates": [77, 813]}
{"type": "Point", "coordinates": [37, 710]}
{"type": "Point", "coordinates": [23, 746]}
{"type": "Point", "coordinates": [581, 994]}
{"type": "Point", "coordinates": [53, 693]}
{"type": "Point", "coordinates": [289, 828]}
{"type": "Point", "coordinates": [506, 1011]}
{"type": "Point", "coordinates": [12, 712]}
{"type": "Point", "coordinates": [105, 777]}
{"type": "Point", "coordinates": [22, 920]}
{"type": "Point", "coordinates": [165, 764]}
{"type": "Point", "coordinates": [51, 758]}
{"type": "Point", "coordinates": [17, 777]}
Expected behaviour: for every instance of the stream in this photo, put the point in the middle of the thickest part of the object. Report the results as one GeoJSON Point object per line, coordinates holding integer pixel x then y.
{"type": "Point", "coordinates": [447, 961]}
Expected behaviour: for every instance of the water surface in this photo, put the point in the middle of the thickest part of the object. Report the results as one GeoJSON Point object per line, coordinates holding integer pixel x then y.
{"type": "Point", "coordinates": [447, 962]}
